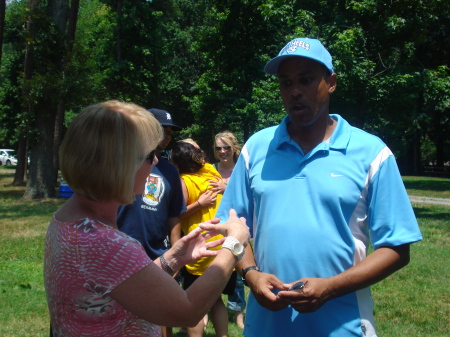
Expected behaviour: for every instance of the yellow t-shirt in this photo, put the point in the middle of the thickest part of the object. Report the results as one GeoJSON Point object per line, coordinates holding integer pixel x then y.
{"type": "Point", "coordinates": [196, 184]}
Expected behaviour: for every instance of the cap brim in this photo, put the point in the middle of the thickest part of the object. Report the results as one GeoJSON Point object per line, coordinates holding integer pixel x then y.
{"type": "Point", "coordinates": [174, 127]}
{"type": "Point", "coordinates": [272, 66]}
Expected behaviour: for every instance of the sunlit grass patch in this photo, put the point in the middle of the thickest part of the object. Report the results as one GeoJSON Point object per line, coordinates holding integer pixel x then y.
{"type": "Point", "coordinates": [412, 302]}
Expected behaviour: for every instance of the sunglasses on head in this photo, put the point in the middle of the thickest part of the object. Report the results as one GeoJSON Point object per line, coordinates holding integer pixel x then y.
{"type": "Point", "coordinates": [151, 156]}
{"type": "Point", "coordinates": [220, 148]}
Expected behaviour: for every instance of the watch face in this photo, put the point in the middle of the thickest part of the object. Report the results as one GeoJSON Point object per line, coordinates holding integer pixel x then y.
{"type": "Point", "coordinates": [238, 248]}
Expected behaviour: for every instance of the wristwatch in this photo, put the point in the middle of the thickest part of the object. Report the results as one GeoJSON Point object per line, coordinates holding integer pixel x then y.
{"type": "Point", "coordinates": [246, 270]}
{"type": "Point", "coordinates": [235, 246]}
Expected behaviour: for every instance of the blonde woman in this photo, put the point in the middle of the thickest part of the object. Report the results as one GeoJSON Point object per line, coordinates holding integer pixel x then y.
{"type": "Point", "coordinates": [226, 152]}
{"type": "Point", "coordinates": [98, 280]}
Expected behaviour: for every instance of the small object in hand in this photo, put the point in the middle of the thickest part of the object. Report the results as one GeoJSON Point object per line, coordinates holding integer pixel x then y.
{"type": "Point", "coordinates": [298, 286]}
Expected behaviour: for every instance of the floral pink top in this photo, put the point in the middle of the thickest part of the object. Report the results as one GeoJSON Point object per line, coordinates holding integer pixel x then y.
{"type": "Point", "coordinates": [84, 260]}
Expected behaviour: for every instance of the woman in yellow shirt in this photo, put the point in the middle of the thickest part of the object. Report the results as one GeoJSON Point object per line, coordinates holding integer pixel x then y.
{"type": "Point", "coordinates": [202, 204]}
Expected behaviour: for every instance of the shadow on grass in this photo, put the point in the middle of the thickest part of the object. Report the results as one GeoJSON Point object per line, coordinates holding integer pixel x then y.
{"type": "Point", "coordinates": [30, 208]}
{"type": "Point", "coordinates": [6, 193]}
{"type": "Point", "coordinates": [441, 185]}
{"type": "Point", "coordinates": [433, 213]}
{"type": "Point", "coordinates": [7, 190]}
{"type": "Point", "coordinates": [12, 207]}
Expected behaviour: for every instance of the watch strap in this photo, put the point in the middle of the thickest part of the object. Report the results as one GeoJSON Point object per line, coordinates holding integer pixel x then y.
{"type": "Point", "coordinates": [246, 270]}
{"type": "Point", "coordinates": [229, 243]}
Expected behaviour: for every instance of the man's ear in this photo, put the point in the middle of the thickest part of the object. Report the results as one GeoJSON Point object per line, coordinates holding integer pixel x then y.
{"type": "Point", "coordinates": [331, 81]}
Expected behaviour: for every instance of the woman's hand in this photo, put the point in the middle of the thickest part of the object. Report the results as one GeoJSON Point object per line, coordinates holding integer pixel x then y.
{"type": "Point", "coordinates": [217, 185]}
{"type": "Point", "coordinates": [193, 246]}
{"type": "Point", "coordinates": [235, 227]}
{"type": "Point", "coordinates": [208, 198]}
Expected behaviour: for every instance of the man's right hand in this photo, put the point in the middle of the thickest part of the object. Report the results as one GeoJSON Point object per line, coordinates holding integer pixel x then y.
{"type": "Point", "coordinates": [262, 286]}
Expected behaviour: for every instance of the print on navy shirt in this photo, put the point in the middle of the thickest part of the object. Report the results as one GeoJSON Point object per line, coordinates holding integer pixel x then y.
{"type": "Point", "coordinates": [154, 190]}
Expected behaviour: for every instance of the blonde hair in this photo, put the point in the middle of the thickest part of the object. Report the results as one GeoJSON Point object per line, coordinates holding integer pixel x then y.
{"type": "Point", "coordinates": [104, 147]}
{"type": "Point", "coordinates": [230, 139]}
{"type": "Point", "coordinates": [190, 141]}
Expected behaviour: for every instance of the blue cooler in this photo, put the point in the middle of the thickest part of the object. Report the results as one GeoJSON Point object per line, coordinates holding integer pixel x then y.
{"type": "Point", "coordinates": [64, 190]}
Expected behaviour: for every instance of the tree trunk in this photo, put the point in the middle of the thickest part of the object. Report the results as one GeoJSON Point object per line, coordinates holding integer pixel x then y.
{"type": "Point", "coordinates": [22, 162]}
{"type": "Point", "coordinates": [58, 132]}
{"type": "Point", "coordinates": [59, 122]}
{"type": "Point", "coordinates": [416, 154]}
{"type": "Point", "coordinates": [58, 10]}
{"type": "Point", "coordinates": [72, 26]}
{"type": "Point", "coordinates": [41, 182]}
{"type": "Point", "coordinates": [2, 26]}
{"type": "Point", "coordinates": [440, 150]}
{"type": "Point", "coordinates": [119, 31]}
{"type": "Point", "coordinates": [50, 110]}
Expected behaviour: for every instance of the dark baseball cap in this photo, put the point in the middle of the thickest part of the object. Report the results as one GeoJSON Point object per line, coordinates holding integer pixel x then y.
{"type": "Point", "coordinates": [164, 118]}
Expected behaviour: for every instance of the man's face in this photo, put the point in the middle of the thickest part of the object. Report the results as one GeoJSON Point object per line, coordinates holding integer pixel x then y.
{"type": "Point", "coordinates": [167, 137]}
{"type": "Point", "coordinates": [305, 88]}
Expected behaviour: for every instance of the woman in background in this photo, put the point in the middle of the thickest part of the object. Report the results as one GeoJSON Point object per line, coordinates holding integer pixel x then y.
{"type": "Point", "coordinates": [226, 151]}
{"type": "Point", "coordinates": [98, 280]}
{"type": "Point", "coordinates": [196, 174]}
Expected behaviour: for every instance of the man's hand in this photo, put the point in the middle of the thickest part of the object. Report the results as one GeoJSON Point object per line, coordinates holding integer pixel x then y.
{"type": "Point", "coordinates": [374, 268]}
{"type": "Point", "coordinates": [262, 286]}
{"type": "Point", "coordinates": [311, 297]}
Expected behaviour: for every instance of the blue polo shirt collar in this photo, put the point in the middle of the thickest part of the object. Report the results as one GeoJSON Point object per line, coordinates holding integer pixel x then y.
{"type": "Point", "coordinates": [338, 141]}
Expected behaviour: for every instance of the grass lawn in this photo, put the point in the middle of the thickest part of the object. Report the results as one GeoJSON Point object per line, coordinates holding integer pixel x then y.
{"type": "Point", "coordinates": [412, 302]}
{"type": "Point", "coordinates": [428, 187]}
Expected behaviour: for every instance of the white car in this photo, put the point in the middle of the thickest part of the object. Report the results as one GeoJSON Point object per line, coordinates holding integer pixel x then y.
{"type": "Point", "coordinates": [8, 157]}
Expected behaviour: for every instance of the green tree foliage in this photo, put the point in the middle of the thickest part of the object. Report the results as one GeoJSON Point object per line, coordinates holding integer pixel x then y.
{"type": "Point", "coordinates": [203, 61]}
{"type": "Point", "coordinates": [387, 58]}
{"type": "Point", "coordinates": [92, 56]}
{"type": "Point", "coordinates": [234, 41]}
{"type": "Point", "coordinates": [12, 120]}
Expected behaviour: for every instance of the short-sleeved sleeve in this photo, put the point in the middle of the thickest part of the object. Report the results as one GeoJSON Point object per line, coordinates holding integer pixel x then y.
{"type": "Point", "coordinates": [391, 218]}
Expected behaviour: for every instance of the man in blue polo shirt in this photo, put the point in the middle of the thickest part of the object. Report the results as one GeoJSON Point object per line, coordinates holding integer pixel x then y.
{"type": "Point", "coordinates": [316, 192]}
{"type": "Point", "coordinates": [153, 219]}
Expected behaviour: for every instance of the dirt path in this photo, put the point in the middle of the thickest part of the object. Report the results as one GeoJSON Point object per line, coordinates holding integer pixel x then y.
{"type": "Point", "coordinates": [426, 200]}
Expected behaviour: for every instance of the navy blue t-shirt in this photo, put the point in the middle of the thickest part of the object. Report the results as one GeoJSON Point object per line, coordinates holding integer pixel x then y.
{"type": "Point", "coordinates": [146, 218]}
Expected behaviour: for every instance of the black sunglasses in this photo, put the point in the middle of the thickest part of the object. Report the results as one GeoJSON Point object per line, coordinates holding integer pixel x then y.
{"type": "Point", "coordinates": [151, 156]}
{"type": "Point", "coordinates": [226, 148]}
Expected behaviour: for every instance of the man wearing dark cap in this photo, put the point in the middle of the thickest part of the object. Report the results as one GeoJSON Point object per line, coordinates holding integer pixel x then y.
{"type": "Point", "coordinates": [316, 192]}
{"type": "Point", "coordinates": [153, 219]}
{"type": "Point", "coordinates": [165, 119]}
